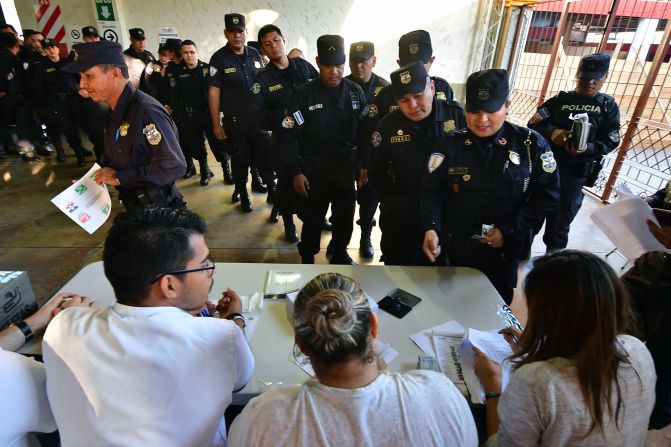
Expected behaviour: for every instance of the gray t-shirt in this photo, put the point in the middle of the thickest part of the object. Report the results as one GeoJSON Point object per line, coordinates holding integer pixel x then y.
{"type": "Point", "coordinates": [542, 404]}
{"type": "Point", "coordinates": [415, 408]}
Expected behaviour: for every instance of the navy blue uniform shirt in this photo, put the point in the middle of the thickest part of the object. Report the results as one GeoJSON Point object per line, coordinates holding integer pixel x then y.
{"type": "Point", "coordinates": [234, 74]}
{"type": "Point", "coordinates": [604, 115]}
{"type": "Point", "coordinates": [188, 88]}
{"type": "Point", "coordinates": [323, 122]}
{"type": "Point", "coordinates": [274, 89]}
{"type": "Point", "coordinates": [498, 180]}
{"type": "Point", "coordinates": [371, 88]}
{"type": "Point", "coordinates": [141, 142]}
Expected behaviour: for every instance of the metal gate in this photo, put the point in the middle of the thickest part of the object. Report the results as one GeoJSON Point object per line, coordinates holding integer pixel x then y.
{"type": "Point", "coordinates": [549, 42]}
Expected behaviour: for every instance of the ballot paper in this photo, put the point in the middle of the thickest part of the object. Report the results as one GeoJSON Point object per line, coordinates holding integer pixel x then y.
{"type": "Point", "coordinates": [86, 202]}
{"type": "Point", "coordinates": [383, 349]}
{"type": "Point", "coordinates": [423, 339]}
{"type": "Point", "coordinates": [496, 347]}
{"type": "Point", "coordinates": [579, 132]}
{"type": "Point", "coordinates": [281, 282]}
{"type": "Point", "coordinates": [624, 222]}
{"type": "Point", "coordinates": [447, 352]}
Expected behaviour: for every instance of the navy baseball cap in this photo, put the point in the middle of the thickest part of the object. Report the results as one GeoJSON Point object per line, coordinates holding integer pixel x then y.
{"type": "Point", "coordinates": [410, 78]}
{"type": "Point", "coordinates": [593, 66]}
{"type": "Point", "coordinates": [172, 44]}
{"type": "Point", "coordinates": [137, 33]}
{"type": "Point", "coordinates": [331, 49]}
{"type": "Point", "coordinates": [361, 51]}
{"type": "Point", "coordinates": [234, 21]}
{"type": "Point", "coordinates": [89, 55]}
{"type": "Point", "coordinates": [47, 42]}
{"type": "Point", "coordinates": [415, 46]}
{"type": "Point", "coordinates": [487, 90]}
{"type": "Point", "coordinates": [90, 31]}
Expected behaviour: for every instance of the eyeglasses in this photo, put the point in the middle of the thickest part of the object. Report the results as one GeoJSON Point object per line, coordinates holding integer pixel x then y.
{"type": "Point", "coordinates": [209, 268]}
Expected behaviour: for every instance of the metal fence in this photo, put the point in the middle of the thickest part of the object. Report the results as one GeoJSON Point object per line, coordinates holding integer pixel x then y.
{"type": "Point", "coordinates": [636, 33]}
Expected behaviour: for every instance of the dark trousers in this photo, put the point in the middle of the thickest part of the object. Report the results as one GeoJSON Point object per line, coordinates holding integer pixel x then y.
{"type": "Point", "coordinates": [248, 144]}
{"type": "Point", "coordinates": [332, 182]}
{"type": "Point", "coordinates": [137, 200]}
{"type": "Point", "coordinates": [557, 225]}
{"type": "Point", "coordinates": [462, 251]}
{"type": "Point", "coordinates": [284, 198]}
{"type": "Point", "coordinates": [402, 234]}
{"type": "Point", "coordinates": [59, 116]}
{"type": "Point", "coordinates": [91, 117]}
{"type": "Point", "coordinates": [368, 202]}
{"type": "Point", "coordinates": [6, 116]}
{"type": "Point", "coordinates": [192, 136]}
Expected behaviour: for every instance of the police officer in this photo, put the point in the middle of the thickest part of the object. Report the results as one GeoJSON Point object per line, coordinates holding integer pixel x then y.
{"type": "Point", "coordinates": [173, 48]}
{"type": "Point", "coordinates": [137, 51]}
{"type": "Point", "coordinates": [155, 71]}
{"type": "Point", "coordinates": [361, 63]}
{"type": "Point", "coordinates": [191, 109]}
{"type": "Point", "coordinates": [233, 69]}
{"type": "Point", "coordinates": [578, 167]}
{"type": "Point", "coordinates": [487, 186]}
{"type": "Point", "coordinates": [401, 147]}
{"type": "Point", "coordinates": [10, 89]}
{"type": "Point", "coordinates": [142, 156]}
{"type": "Point", "coordinates": [277, 83]}
{"type": "Point", "coordinates": [58, 94]}
{"type": "Point", "coordinates": [320, 147]}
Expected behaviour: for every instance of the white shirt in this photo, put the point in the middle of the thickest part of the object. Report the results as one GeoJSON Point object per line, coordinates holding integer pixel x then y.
{"type": "Point", "coordinates": [24, 407]}
{"type": "Point", "coordinates": [143, 376]}
{"type": "Point", "coordinates": [421, 408]}
{"type": "Point", "coordinates": [543, 405]}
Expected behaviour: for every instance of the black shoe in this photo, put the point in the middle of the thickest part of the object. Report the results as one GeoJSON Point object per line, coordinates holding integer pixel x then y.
{"type": "Point", "coordinates": [228, 175]}
{"type": "Point", "coordinates": [190, 171]}
{"type": "Point", "coordinates": [245, 203]}
{"type": "Point", "coordinates": [290, 234]}
{"type": "Point", "coordinates": [257, 186]}
{"type": "Point", "coordinates": [204, 173]}
{"type": "Point", "coordinates": [235, 198]}
{"type": "Point", "coordinates": [86, 152]}
{"type": "Point", "coordinates": [330, 249]}
{"type": "Point", "coordinates": [274, 215]}
{"type": "Point", "coordinates": [272, 193]}
{"type": "Point", "coordinates": [308, 259]}
{"type": "Point", "coordinates": [60, 155]}
{"type": "Point", "coordinates": [342, 259]}
{"type": "Point", "coordinates": [327, 225]}
{"type": "Point", "coordinates": [365, 247]}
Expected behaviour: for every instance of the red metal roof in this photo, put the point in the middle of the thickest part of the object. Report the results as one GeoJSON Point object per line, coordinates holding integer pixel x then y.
{"type": "Point", "coordinates": [627, 8]}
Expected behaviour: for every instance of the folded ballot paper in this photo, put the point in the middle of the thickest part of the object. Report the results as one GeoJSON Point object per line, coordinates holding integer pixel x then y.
{"type": "Point", "coordinates": [579, 131]}
{"type": "Point", "coordinates": [281, 282]}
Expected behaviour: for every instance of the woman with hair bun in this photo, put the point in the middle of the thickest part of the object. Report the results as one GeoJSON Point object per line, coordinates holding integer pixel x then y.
{"type": "Point", "coordinates": [353, 400]}
{"type": "Point", "coordinates": [577, 379]}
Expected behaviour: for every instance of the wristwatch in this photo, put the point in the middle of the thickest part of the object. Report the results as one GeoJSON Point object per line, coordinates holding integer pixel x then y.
{"type": "Point", "coordinates": [235, 316]}
{"type": "Point", "coordinates": [23, 327]}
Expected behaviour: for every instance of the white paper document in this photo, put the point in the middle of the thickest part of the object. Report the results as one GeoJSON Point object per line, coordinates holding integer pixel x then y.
{"type": "Point", "coordinates": [423, 339]}
{"type": "Point", "coordinates": [280, 283]}
{"type": "Point", "coordinates": [447, 353]}
{"type": "Point", "coordinates": [579, 132]}
{"type": "Point", "coordinates": [624, 224]}
{"type": "Point", "coordinates": [496, 347]}
{"type": "Point", "coordinates": [86, 202]}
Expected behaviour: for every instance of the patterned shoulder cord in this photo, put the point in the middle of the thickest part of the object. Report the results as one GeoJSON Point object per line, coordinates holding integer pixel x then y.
{"type": "Point", "coordinates": [527, 144]}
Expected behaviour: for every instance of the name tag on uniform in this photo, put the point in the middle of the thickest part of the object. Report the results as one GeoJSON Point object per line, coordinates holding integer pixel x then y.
{"type": "Point", "coordinates": [400, 137]}
{"type": "Point", "coordinates": [274, 88]}
{"type": "Point", "coordinates": [315, 107]}
{"type": "Point", "coordinates": [457, 171]}
{"type": "Point", "coordinates": [49, 70]}
{"type": "Point", "coordinates": [229, 70]}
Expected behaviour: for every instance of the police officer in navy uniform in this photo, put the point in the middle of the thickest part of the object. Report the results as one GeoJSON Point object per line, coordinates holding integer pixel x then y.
{"type": "Point", "coordinates": [11, 89]}
{"type": "Point", "coordinates": [320, 146]}
{"type": "Point", "coordinates": [233, 69]}
{"type": "Point", "coordinates": [361, 62]}
{"type": "Point", "coordinates": [191, 109]}
{"type": "Point", "coordinates": [401, 147]}
{"type": "Point", "coordinates": [488, 185]}
{"type": "Point", "coordinates": [58, 93]}
{"type": "Point", "coordinates": [577, 167]}
{"type": "Point", "coordinates": [277, 83]}
{"type": "Point", "coordinates": [137, 50]}
{"type": "Point", "coordinates": [142, 155]}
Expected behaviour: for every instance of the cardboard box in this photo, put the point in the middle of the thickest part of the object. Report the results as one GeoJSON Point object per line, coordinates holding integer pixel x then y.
{"type": "Point", "coordinates": [17, 299]}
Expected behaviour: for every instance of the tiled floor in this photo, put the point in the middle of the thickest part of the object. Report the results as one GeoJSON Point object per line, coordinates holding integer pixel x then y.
{"type": "Point", "coordinates": [36, 237]}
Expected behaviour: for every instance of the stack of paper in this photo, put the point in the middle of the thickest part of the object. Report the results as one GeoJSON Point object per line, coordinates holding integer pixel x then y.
{"type": "Point", "coordinates": [496, 347]}
{"type": "Point", "coordinates": [579, 132]}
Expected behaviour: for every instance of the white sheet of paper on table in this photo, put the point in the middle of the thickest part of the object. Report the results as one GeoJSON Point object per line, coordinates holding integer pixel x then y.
{"type": "Point", "coordinates": [85, 202]}
{"type": "Point", "coordinates": [447, 354]}
{"type": "Point", "coordinates": [496, 347]}
{"type": "Point", "coordinates": [423, 338]}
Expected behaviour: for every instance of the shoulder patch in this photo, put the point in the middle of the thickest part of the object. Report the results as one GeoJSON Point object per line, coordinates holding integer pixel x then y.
{"type": "Point", "coordinates": [288, 122]}
{"type": "Point", "coordinates": [372, 111]}
{"type": "Point", "coordinates": [614, 136]}
{"type": "Point", "coordinates": [376, 139]}
{"type": "Point", "coordinates": [213, 70]}
{"type": "Point", "coordinates": [256, 88]}
{"type": "Point", "coordinates": [153, 135]}
{"type": "Point", "coordinates": [549, 163]}
{"type": "Point", "coordinates": [435, 160]}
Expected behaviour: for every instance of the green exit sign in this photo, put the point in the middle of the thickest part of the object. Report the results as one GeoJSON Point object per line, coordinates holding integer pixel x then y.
{"type": "Point", "coordinates": [105, 10]}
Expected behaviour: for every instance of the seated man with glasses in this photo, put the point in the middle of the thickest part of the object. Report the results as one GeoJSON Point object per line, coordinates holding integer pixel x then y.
{"type": "Point", "coordinates": [146, 371]}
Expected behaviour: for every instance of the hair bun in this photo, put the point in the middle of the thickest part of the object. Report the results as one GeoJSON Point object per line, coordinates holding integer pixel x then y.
{"type": "Point", "coordinates": [332, 314]}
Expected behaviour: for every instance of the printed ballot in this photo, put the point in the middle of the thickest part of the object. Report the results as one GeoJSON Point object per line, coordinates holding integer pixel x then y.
{"type": "Point", "coordinates": [86, 202]}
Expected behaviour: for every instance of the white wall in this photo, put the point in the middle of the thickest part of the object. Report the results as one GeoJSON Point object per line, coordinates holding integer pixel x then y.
{"type": "Point", "coordinates": [453, 25]}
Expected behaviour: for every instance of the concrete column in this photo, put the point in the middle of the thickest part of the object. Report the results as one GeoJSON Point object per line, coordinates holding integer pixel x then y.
{"type": "Point", "coordinates": [643, 38]}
